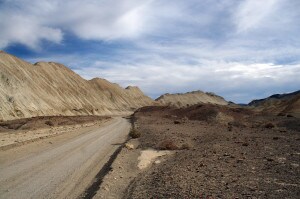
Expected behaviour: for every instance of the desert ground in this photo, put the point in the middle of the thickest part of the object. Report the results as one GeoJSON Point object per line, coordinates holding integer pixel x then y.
{"type": "Point", "coordinates": [212, 151]}
{"type": "Point", "coordinates": [199, 151]}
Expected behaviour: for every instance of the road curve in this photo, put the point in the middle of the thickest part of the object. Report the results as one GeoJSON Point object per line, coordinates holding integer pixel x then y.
{"type": "Point", "coordinates": [64, 170]}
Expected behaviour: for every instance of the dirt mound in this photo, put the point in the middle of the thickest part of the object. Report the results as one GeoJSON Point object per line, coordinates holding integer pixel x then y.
{"type": "Point", "coordinates": [190, 98]}
{"type": "Point", "coordinates": [46, 122]}
{"type": "Point", "coordinates": [202, 112]}
{"type": "Point", "coordinates": [48, 88]}
{"type": "Point", "coordinates": [279, 104]}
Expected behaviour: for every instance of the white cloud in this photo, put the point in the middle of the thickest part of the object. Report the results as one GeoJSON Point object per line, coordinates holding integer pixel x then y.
{"type": "Point", "coordinates": [106, 20]}
{"type": "Point", "coordinates": [29, 21]}
{"type": "Point", "coordinates": [253, 13]}
{"type": "Point", "coordinates": [239, 82]}
{"type": "Point", "coordinates": [240, 50]}
{"type": "Point", "coordinates": [26, 31]}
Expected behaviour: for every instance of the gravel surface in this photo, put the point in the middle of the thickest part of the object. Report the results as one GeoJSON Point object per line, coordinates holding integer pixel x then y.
{"type": "Point", "coordinates": [238, 155]}
{"type": "Point", "coordinates": [60, 169]}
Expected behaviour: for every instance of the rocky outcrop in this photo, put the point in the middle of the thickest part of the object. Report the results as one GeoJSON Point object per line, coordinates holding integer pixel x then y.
{"type": "Point", "coordinates": [191, 98]}
{"type": "Point", "coordinates": [288, 103]}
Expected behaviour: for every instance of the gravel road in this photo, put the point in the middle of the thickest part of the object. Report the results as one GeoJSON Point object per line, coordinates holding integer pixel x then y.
{"type": "Point", "coordinates": [63, 170]}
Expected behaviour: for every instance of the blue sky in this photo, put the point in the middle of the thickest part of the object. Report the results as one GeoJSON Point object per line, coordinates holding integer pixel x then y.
{"type": "Point", "coordinates": [239, 49]}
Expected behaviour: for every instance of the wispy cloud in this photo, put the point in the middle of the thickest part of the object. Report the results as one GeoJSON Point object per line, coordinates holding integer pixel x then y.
{"type": "Point", "coordinates": [239, 82]}
{"type": "Point", "coordinates": [239, 49]}
{"type": "Point", "coordinates": [252, 14]}
{"type": "Point", "coordinates": [29, 21]}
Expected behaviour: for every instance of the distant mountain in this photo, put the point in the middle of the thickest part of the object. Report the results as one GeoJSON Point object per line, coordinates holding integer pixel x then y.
{"type": "Point", "coordinates": [48, 88]}
{"type": "Point", "coordinates": [279, 103]}
{"type": "Point", "coordinates": [190, 98]}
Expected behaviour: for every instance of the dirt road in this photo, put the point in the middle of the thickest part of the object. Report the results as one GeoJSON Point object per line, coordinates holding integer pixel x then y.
{"type": "Point", "coordinates": [62, 170]}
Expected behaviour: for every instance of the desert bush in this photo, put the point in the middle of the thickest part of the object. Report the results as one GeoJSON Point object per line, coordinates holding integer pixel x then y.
{"type": "Point", "coordinates": [229, 127]}
{"type": "Point", "coordinates": [269, 125]}
{"type": "Point", "coordinates": [236, 123]}
{"type": "Point", "coordinates": [134, 133]}
{"type": "Point", "coordinates": [185, 146]}
{"type": "Point", "coordinates": [49, 123]}
{"type": "Point", "coordinates": [167, 145]}
{"type": "Point", "coordinates": [177, 122]}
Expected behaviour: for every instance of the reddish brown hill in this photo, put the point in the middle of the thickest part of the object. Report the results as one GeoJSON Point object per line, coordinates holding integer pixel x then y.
{"type": "Point", "coordinates": [279, 104]}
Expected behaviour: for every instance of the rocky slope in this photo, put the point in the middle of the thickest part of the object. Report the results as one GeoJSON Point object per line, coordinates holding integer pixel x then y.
{"type": "Point", "coordinates": [48, 88]}
{"type": "Point", "coordinates": [279, 104]}
{"type": "Point", "coordinates": [246, 158]}
{"type": "Point", "coordinates": [190, 98]}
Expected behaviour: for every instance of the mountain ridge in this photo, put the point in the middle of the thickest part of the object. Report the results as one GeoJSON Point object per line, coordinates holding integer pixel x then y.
{"type": "Point", "coordinates": [190, 98]}
{"type": "Point", "coordinates": [50, 88]}
{"type": "Point", "coordinates": [287, 103]}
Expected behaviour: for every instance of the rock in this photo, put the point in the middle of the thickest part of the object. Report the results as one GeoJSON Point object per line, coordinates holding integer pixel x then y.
{"type": "Point", "coordinates": [129, 146]}
{"type": "Point", "coordinates": [177, 122]}
{"type": "Point", "coordinates": [295, 165]}
{"type": "Point", "coordinates": [245, 144]}
{"type": "Point", "coordinates": [157, 162]}
{"type": "Point", "coordinates": [185, 119]}
{"type": "Point", "coordinates": [269, 159]}
{"type": "Point", "coordinates": [269, 125]}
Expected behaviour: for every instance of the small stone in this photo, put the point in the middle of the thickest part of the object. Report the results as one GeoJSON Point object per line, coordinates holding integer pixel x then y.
{"type": "Point", "coordinates": [157, 162]}
{"type": "Point", "coordinates": [129, 146]}
{"type": "Point", "coordinates": [177, 122]}
{"type": "Point", "coordinates": [295, 165]}
{"type": "Point", "coordinates": [270, 159]}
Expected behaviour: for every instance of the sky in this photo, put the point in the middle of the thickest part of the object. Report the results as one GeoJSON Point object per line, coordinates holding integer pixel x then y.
{"type": "Point", "coordinates": [239, 49]}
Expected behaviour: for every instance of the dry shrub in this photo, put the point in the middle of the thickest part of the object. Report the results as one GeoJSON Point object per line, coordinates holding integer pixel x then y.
{"type": "Point", "coordinates": [134, 133]}
{"type": "Point", "coordinates": [167, 145]}
{"type": "Point", "coordinates": [185, 146]}
{"type": "Point", "coordinates": [281, 114]}
{"type": "Point", "coordinates": [177, 122]}
{"type": "Point", "coordinates": [237, 123]}
{"type": "Point", "coordinates": [269, 125]}
{"type": "Point", "coordinates": [49, 123]}
{"type": "Point", "coordinates": [229, 127]}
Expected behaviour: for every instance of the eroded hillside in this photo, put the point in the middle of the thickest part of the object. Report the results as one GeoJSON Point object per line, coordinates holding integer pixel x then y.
{"type": "Point", "coordinates": [191, 98]}
{"type": "Point", "coordinates": [282, 104]}
{"type": "Point", "coordinates": [48, 88]}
